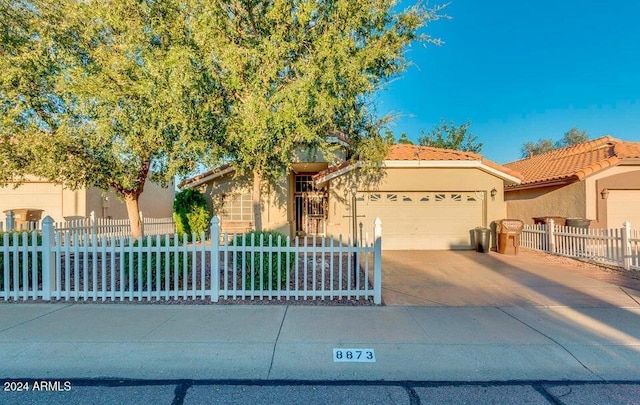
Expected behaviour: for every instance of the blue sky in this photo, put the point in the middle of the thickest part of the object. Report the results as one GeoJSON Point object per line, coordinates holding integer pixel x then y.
{"type": "Point", "coordinates": [521, 70]}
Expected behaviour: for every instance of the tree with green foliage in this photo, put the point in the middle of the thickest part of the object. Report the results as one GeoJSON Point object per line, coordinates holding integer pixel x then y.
{"type": "Point", "coordinates": [300, 73]}
{"type": "Point", "coordinates": [572, 137]}
{"type": "Point", "coordinates": [451, 136]}
{"type": "Point", "coordinates": [107, 94]}
{"type": "Point", "coordinates": [25, 82]}
{"type": "Point", "coordinates": [536, 148]}
{"type": "Point", "coordinates": [404, 139]}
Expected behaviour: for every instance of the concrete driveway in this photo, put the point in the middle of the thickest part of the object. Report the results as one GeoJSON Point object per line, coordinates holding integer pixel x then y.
{"type": "Point", "coordinates": [468, 278]}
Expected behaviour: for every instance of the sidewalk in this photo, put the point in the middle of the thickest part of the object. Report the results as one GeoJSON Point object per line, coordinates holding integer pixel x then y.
{"type": "Point", "coordinates": [297, 342]}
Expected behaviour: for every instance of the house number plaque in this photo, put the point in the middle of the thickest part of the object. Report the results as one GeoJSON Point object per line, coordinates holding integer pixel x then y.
{"type": "Point", "coordinates": [354, 356]}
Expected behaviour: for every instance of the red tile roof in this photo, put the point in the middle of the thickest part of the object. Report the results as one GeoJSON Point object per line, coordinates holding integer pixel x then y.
{"type": "Point", "coordinates": [575, 162]}
{"type": "Point", "coordinates": [404, 152]}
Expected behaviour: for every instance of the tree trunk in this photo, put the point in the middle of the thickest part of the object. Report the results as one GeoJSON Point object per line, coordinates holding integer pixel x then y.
{"type": "Point", "coordinates": [133, 211]}
{"type": "Point", "coordinates": [257, 202]}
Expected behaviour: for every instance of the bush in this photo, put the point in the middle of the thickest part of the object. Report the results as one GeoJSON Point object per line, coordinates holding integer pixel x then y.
{"type": "Point", "coordinates": [268, 260]}
{"type": "Point", "coordinates": [18, 256]}
{"type": "Point", "coordinates": [155, 257]}
{"type": "Point", "coordinates": [191, 213]}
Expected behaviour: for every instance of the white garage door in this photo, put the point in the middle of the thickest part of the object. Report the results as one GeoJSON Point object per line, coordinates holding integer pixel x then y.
{"type": "Point", "coordinates": [423, 220]}
{"type": "Point", "coordinates": [623, 205]}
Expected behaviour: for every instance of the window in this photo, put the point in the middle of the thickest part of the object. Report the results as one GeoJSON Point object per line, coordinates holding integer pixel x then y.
{"type": "Point", "coordinates": [374, 197]}
{"type": "Point", "coordinates": [304, 183]}
{"type": "Point", "coordinates": [425, 198]}
{"type": "Point", "coordinates": [456, 197]}
{"type": "Point", "coordinates": [392, 197]}
{"type": "Point", "coordinates": [441, 197]}
{"type": "Point", "coordinates": [237, 207]}
{"type": "Point", "coordinates": [406, 198]}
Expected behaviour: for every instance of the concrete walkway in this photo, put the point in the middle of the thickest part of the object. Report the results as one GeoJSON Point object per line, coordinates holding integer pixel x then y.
{"type": "Point", "coordinates": [296, 342]}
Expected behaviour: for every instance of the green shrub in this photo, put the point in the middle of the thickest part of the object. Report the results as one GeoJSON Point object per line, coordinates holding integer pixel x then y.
{"type": "Point", "coordinates": [18, 256]}
{"type": "Point", "coordinates": [155, 258]}
{"type": "Point", "coordinates": [191, 213]}
{"type": "Point", "coordinates": [245, 260]}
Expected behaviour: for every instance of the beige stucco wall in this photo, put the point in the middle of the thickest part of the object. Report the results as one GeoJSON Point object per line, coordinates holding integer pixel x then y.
{"type": "Point", "coordinates": [274, 200]}
{"type": "Point", "coordinates": [616, 178]}
{"type": "Point", "coordinates": [415, 179]}
{"type": "Point", "coordinates": [56, 201]}
{"type": "Point", "coordinates": [59, 202]}
{"type": "Point", "coordinates": [155, 202]}
{"type": "Point", "coordinates": [567, 201]}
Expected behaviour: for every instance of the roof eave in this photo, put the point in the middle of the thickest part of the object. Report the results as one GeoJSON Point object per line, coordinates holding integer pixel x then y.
{"type": "Point", "coordinates": [549, 183]}
{"type": "Point", "coordinates": [509, 179]}
{"type": "Point", "coordinates": [206, 177]}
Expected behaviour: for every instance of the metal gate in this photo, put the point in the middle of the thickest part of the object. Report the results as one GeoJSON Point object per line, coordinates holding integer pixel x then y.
{"type": "Point", "coordinates": [310, 206]}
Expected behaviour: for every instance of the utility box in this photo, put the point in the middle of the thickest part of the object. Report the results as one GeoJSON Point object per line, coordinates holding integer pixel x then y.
{"type": "Point", "coordinates": [509, 231]}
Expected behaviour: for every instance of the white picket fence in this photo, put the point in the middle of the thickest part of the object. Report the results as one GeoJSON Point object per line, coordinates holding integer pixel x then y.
{"type": "Point", "coordinates": [614, 246]}
{"type": "Point", "coordinates": [85, 227]}
{"type": "Point", "coordinates": [67, 265]}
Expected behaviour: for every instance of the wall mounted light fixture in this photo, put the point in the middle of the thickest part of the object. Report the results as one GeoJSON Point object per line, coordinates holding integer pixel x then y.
{"type": "Point", "coordinates": [493, 193]}
{"type": "Point", "coordinates": [604, 193]}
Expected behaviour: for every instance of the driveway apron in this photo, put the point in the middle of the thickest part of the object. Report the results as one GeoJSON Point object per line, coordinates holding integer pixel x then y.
{"type": "Point", "coordinates": [468, 278]}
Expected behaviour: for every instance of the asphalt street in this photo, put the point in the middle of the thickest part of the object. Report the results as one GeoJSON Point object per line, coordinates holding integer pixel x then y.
{"type": "Point", "coordinates": [57, 392]}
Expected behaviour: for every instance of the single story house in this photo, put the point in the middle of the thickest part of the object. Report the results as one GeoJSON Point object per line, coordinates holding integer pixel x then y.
{"type": "Point", "coordinates": [427, 198]}
{"type": "Point", "coordinates": [59, 202]}
{"type": "Point", "coordinates": [597, 180]}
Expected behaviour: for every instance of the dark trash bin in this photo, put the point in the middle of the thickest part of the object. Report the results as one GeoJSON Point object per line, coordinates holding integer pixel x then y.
{"type": "Point", "coordinates": [509, 231]}
{"type": "Point", "coordinates": [483, 239]}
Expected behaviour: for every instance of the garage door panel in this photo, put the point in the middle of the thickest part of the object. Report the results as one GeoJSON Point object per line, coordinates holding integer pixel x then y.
{"type": "Point", "coordinates": [623, 205]}
{"type": "Point", "coordinates": [423, 220]}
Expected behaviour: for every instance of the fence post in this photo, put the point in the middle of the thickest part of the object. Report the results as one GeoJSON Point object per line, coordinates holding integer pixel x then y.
{"type": "Point", "coordinates": [48, 265]}
{"type": "Point", "coordinates": [215, 258]}
{"type": "Point", "coordinates": [10, 221]}
{"type": "Point", "coordinates": [551, 239]}
{"type": "Point", "coordinates": [626, 245]}
{"type": "Point", "coordinates": [92, 219]}
{"type": "Point", "coordinates": [377, 262]}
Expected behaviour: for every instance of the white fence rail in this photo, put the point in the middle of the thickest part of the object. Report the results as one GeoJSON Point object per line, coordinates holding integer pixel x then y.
{"type": "Point", "coordinates": [68, 265]}
{"type": "Point", "coordinates": [615, 246]}
{"type": "Point", "coordinates": [87, 227]}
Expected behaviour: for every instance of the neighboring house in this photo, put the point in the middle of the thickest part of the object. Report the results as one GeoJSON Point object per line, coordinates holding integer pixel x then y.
{"type": "Point", "coordinates": [427, 198]}
{"type": "Point", "coordinates": [597, 180]}
{"type": "Point", "coordinates": [59, 202]}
